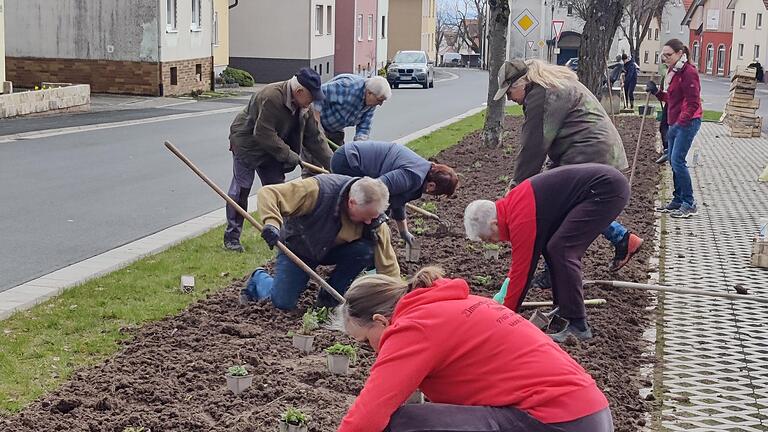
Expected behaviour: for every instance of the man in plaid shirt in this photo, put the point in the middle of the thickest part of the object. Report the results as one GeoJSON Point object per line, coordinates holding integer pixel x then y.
{"type": "Point", "coordinates": [350, 100]}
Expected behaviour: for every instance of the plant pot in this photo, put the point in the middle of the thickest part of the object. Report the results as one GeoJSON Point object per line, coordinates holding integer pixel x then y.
{"type": "Point", "coordinates": [303, 342]}
{"type": "Point", "coordinates": [416, 398]}
{"type": "Point", "coordinates": [237, 384]}
{"type": "Point", "coordinates": [338, 364]}
{"type": "Point", "coordinates": [285, 427]}
{"type": "Point", "coordinates": [491, 253]}
{"type": "Point", "coordinates": [646, 110]}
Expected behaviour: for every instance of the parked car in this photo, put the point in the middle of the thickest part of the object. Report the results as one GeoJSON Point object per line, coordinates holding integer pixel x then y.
{"type": "Point", "coordinates": [452, 60]}
{"type": "Point", "coordinates": [411, 67]}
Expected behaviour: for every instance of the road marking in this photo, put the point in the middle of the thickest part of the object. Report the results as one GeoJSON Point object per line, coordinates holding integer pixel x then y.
{"type": "Point", "coordinates": [87, 128]}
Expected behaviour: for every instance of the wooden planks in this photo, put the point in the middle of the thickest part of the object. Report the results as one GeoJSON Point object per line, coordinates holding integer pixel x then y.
{"type": "Point", "coordinates": [740, 111]}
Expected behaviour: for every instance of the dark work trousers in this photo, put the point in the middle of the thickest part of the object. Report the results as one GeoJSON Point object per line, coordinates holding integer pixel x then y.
{"type": "Point", "coordinates": [574, 204]}
{"type": "Point", "coordinates": [629, 92]}
{"type": "Point", "coordinates": [664, 127]}
{"type": "Point", "coordinates": [336, 137]}
{"type": "Point", "coordinates": [432, 417]}
{"type": "Point", "coordinates": [270, 172]}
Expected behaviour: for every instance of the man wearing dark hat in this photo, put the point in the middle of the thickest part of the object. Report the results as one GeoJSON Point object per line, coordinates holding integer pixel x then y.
{"type": "Point", "coordinates": [268, 137]}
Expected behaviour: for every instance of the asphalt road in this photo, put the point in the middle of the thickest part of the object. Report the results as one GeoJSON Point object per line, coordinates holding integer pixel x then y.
{"type": "Point", "coordinates": [714, 92]}
{"type": "Point", "coordinates": [68, 197]}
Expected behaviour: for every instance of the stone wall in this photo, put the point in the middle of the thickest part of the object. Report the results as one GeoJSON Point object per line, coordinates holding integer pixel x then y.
{"type": "Point", "coordinates": [16, 104]}
{"type": "Point", "coordinates": [187, 78]}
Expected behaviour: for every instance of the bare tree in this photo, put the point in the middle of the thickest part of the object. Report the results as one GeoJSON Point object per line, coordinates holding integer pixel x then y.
{"type": "Point", "coordinates": [444, 24]}
{"type": "Point", "coordinates": [498, 22]}
{"type": "Point", "coordinates": [638, 16]}
{"type": "Point", "coordinates": [470, 22]}
{"type": "Point", "coordinates": [602, 18]}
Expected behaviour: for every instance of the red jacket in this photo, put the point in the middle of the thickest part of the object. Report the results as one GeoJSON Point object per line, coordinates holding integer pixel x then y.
{"type": "Point", "coordinates": [516, 214]}
{"type": "Point", "coordinates": [683, 96]}
{"type": "Point", "coordinates": [467, 350]}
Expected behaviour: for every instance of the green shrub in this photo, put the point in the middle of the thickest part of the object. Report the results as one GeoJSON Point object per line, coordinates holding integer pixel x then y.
{"type": "Point", "coordinates": [237, 371]}
{"type": "Point", "coordinates": [342, 349]}
{"type": "Point", "coordinates": [294, 417]}
{"type": "Point", "coordinates": [241, 77]}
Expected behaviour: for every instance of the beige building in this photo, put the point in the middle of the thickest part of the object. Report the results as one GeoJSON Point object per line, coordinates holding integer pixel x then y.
{"type": "Point", "coordinates": [750, 33]}
{"type": "Point", "coordinates": [220, 35]}
{"type": "Point", "coordinates": [650, 49]}
{"type": "Point", "coordinates": [412, 26]}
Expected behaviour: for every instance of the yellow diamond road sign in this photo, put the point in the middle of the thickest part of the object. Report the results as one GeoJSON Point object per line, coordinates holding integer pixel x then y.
{"type": "Point", "coordinates": [525, 23]}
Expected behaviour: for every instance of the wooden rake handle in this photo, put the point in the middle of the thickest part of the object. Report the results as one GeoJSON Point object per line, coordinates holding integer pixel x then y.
{"type": "Point", "coordinates": [296, 260]}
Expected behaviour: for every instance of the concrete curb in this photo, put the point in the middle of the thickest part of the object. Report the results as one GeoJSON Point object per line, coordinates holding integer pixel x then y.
{"type": "Point", "coordinates": [38, 290]}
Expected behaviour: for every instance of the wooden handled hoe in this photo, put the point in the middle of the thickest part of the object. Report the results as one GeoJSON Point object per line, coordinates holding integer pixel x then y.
{"type": "Point", "coordinates": [323, 284]}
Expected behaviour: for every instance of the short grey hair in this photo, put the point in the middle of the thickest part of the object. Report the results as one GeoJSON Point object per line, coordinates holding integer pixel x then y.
{"type": "Point", "coordinates": [379, 86]}
{"type": "Point", "coordinates": [478, 218]}
{"type": "Point", "coordinates": [368, 191]}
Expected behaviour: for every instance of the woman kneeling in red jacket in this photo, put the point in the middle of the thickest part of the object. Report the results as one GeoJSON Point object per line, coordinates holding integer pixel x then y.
{"type": "Point", "coordinates": [482, 366]}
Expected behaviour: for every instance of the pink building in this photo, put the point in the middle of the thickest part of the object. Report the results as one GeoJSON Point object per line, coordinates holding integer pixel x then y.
{"type": "Point", "coordinates": [356, 31]}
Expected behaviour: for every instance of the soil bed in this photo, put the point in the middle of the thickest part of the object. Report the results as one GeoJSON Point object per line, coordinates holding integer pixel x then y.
{"type": "Point", "coordinates": [170, 377]}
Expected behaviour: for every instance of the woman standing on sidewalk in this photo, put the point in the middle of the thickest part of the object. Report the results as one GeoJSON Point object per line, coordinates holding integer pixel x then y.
{"type": "Point", "coordinates": [682, 95]}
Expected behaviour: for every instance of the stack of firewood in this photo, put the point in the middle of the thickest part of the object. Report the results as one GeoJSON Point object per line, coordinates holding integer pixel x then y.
{"type": "Point", "coordinates": [740, 111]}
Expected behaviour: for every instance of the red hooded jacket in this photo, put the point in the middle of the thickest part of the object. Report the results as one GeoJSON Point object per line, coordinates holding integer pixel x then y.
{"type": "Point", "coordinates": [683, 96]}
{"type": "Point", "coordinates": [467, 350]}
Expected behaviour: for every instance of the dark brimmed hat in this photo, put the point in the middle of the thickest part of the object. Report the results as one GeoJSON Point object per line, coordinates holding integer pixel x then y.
{"type": "Point", "coordinates": [310, 80]}
{"type": "Point", "coordinates": [510, 72]}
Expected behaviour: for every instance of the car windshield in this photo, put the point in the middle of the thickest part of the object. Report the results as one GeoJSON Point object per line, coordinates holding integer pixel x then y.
{"type": "Point", "coordinates": [410, 57]}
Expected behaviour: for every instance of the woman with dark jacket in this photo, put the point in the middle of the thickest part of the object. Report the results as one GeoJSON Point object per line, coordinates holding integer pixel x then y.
{"type": "Point", "coordinates": [630, 80]}
{"type": "Point", "coordinates": [682, 95]}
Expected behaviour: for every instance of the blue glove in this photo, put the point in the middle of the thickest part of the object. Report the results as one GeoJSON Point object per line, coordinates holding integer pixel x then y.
{"type": "Point", "coordinates": [651, 88]}
{"type": "Point", "coordinates": [271, 235]}
{"type": "Point", "coordinates": [499, 297]}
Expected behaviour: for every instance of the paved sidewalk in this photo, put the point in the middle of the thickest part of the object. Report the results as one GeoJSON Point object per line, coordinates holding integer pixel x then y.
{"type": "Point", "coordinates": [715, 363]}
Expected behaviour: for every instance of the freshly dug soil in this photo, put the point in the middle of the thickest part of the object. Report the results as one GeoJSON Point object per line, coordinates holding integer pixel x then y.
{"type": "Point", "coordinates": [170, 376]}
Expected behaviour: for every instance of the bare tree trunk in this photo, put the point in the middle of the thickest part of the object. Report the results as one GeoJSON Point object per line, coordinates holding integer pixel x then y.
{"type": "Point", "coordinates": [604, 17]}
{"type": "Point", "coordinates": [497, 46]}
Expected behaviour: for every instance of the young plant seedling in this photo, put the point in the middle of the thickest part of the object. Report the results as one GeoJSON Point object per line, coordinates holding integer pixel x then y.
{"type": "Point", "coordinates": [483, 280]}
{"type": "Point", "coordinates": [304, 339]}
{"type": "Point", "coordinates": [293, 420]}
{"type": "Point", "coordinates": [429, 206]}
{"type": "Point", "coordinates": [491, 250]}
{"type": "Point", "coordinates": [238, 379]}
{"type": "Point", "coordinates": [339, 357]}
{"type": "Point", "coordinates": [323, 315]}
{"type": "Point", "coordinates": [504, 179]}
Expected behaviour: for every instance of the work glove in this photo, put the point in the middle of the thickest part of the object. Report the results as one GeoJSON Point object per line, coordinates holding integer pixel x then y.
{"type": "Point", "coordinates": [292, 160]}
{"type": "Point", "coordinates": [407, 237]}
{"type": "Point", "coordinates": [499, 297]}
{"type": "Point", "coordinates": [651, 88]}
{"type": "Point", "coordinates": [511, 185]}
{"type": "Point", "coordinates": [271, 235]}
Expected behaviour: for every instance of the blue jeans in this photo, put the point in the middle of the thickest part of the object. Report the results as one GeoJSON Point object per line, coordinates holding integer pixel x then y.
{"type": "Point", "coordinates": [615, 232]}
{"type": "Point", "coordinates": [290, 281]}
{"type": "Point", "coordinates": [679, 139]}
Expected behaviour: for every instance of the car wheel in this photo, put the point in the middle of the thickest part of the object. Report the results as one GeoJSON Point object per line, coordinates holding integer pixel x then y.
{"type": "Point", "coordinates": [426, 84]}
{"type": "Point", "coordinates": [395, 85]}
{"type": "Point", "coordinates": [432, 83]}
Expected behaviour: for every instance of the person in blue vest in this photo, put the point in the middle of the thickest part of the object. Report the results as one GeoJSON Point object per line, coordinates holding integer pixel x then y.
{"type": "Point", "coordinates": [630, 79]}
{"type": "Point", "coordinates": [351, 100]}
{"type": "Point", "coordinates": [406, 174]}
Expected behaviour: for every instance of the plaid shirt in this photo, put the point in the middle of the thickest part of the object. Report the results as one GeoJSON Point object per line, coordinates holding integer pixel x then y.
{"type": "Point", "coordinates": [344, 106]}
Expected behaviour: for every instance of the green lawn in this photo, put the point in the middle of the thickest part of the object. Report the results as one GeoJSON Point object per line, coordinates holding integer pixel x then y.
{"type": "Point", "coordinates": [41, 347]}
{"type": "Point", "coordinates": [711, 116]}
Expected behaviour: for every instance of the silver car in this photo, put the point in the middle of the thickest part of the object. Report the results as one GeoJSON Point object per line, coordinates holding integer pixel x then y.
{"type": "Point", "coordinates": [411, 67]}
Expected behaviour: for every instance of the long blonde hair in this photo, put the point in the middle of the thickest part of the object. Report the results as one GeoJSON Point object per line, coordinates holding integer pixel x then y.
{"type": "Point", "coordinates": [378, 294]}
{"type": "Point", "coordinates": [547, 75]}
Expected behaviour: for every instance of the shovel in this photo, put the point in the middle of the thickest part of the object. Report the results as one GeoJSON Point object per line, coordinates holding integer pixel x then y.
{"type": "Point", "coordinates": [413, 251]}
{"type": "Point", "coordinates": [442, 227]}
{"type": "Point", "coordinates": [541, 319]}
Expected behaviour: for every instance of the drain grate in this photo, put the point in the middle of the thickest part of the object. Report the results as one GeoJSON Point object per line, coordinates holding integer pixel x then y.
{"type": "Point", "coordinates": [715, 370]}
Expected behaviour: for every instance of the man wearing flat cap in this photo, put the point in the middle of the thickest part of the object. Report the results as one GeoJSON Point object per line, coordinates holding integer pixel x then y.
{"type": "Point", "coordinates": [269, 137]}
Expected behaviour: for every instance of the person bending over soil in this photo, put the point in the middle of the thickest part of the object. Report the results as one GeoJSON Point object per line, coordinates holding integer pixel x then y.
{"type": "Point", "coordinates": [482, 366]}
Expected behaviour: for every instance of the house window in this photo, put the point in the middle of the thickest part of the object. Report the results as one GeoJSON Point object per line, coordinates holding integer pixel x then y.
{"type": "Point", "coordinates": [329, 19]}
{"type": "Point", "coordinates": [170, 15]}
{"type": "Point", "coordinates": [383, 27]}
{"type": "Point", "coordinates": [319, 20]}
{"type": "Point", "coordinates": [741, 51]}
{"type": "Point", "coordinates": [570, 9]}
{"type": "Point", "coordinates": [656, 58]}
{"type": "Point", "coordinates": [197, 17]}
{"type": "Point", "coordinates": [359, 29]}
{"type": "Point", "coordinates": [721, 59]}
{"type": "Point", "coordinates": [216, 28]}
{"type": "Point", "coordinates": [757, 51]}
{"type": "Point", "coordinates": [174, 76]}
{"type": "Point", "coordinates": [759, 21]}
{"type": "Point", "coordinates": [199, 72]}
{"type": "Point", "coordinates": [733, 18]}
{"type": "Point", "coordinates": [656, 34]}
{"type": "Point", "coordinates": [743, 20]}
{"type": "Point", "coordinates": [370, 27]}
{"type": "Point", "coordinates": [710, 55]}
{"type": "Point", "coordinates": [328, 67]}
{"type": "Point", "coordinates": [645, 57]}
{"type": "Point", "coordinates": [696, 52]}
{"type": "Point", "coordinates": [321, 68]}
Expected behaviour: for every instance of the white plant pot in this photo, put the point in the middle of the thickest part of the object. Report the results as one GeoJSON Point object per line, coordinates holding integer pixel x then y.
{"type": "Point", "coordinates": [285, 427]}
{"type": "Point", "coordinates": [491, 253]}
{"type": "Point", "coordinates": [236, 384]}
{"type": "Point", "coordinates": [338, 364]}
{"type": "Point", "coordinates": [303, 342]}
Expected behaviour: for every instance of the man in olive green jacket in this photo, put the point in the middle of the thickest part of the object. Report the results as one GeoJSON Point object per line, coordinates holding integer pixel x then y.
{"type": "Point", "coordinates": [269, 137]}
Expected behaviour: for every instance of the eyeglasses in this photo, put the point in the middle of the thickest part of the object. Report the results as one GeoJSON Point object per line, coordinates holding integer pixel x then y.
{"type": "Point", "coordinates": [667, 54]}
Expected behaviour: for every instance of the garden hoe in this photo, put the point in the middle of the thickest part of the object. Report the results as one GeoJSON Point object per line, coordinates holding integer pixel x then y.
{"type": "Point", "coordinates": [639, 137]}
{"type": "Point", "coordinates": [442, 227]}
{"type": "Point", "coordinates": [323, 284]}
{"type": "Point", "coordinates": [676, 290]}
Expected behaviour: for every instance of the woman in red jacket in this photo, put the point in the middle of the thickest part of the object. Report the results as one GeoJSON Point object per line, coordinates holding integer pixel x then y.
{"type": "Point", "coordinates": [482, 366]}
{"type": "Point", "coordinates": [683, 98]}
